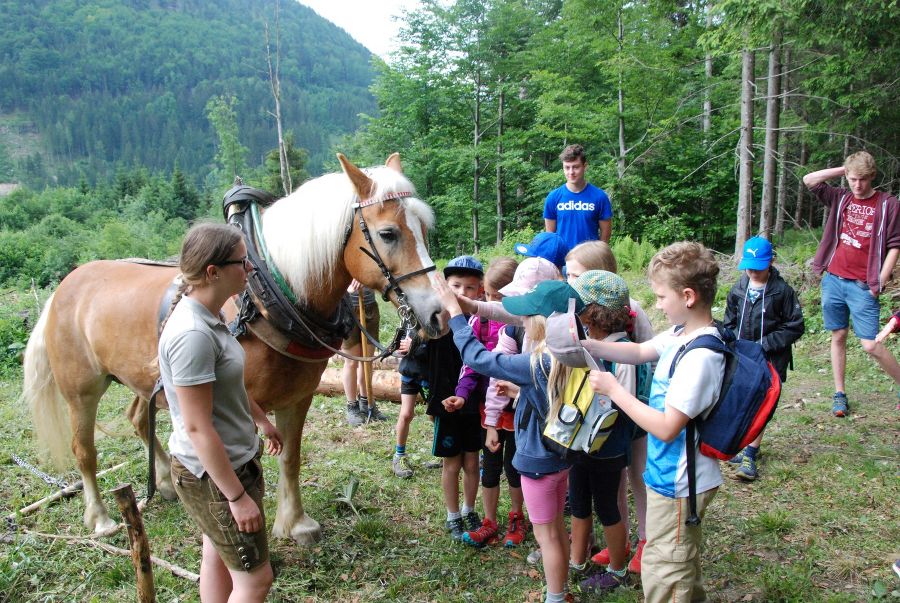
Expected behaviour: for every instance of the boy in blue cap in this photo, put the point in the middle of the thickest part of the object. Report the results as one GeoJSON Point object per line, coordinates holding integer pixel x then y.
{"type": "Point", "coordinates": [762, 307]}
{"type": "Point", "coordinates": [457, 421]}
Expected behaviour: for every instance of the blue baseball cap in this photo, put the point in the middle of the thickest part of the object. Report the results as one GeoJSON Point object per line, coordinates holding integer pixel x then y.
{"type": "Point", "coordinates": [548, 297]}
{"type": "Point", "coordinates": [464, 264]}
{"type": "Point", "coordinates": [547, 245]}
{"type": "Point", "coordinates": [757, 254]}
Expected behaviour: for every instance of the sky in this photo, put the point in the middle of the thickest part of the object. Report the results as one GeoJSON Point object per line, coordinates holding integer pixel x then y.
{"type": "Point", "coordinates": [369, 22]}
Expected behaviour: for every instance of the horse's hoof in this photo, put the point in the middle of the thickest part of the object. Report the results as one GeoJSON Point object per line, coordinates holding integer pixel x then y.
{"type": "Point", "coordinates": [167, 490]}
{"type": "Point", "coordinates": [102, 526]}
{"type": "Point", "coordinates": [305, 532]}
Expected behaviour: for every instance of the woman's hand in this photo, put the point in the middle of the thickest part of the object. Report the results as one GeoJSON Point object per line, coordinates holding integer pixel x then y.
{"type": "Point", "coordinates": [447, 296]}
{"type": "Point", "coordinates": [274, 441]}
{"type": "Point", "coordinates": [246, 514]}
{"type": "Point", "coordinates": [491, 439]}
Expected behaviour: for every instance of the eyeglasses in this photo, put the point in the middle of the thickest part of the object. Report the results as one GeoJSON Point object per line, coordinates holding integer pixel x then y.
{"type": "Point", "coordinates": [248, 265]}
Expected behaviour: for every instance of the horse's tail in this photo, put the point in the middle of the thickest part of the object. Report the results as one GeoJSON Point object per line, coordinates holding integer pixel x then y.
{"type": "Point", "coordinates": [40, 390]}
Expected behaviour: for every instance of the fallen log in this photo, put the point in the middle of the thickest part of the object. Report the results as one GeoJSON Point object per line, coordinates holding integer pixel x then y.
{"type": "Point", "coordinates": [385, 384]}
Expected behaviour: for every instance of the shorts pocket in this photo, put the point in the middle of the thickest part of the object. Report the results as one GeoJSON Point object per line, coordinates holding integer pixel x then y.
{"type": "Point", "coordinates": [221, 512]}
{"type": "Point", "coordinates": [674, 553]}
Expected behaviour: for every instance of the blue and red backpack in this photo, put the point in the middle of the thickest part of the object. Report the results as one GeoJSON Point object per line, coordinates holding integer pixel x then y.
{"type": "Point", "coordinates": [750, 391]}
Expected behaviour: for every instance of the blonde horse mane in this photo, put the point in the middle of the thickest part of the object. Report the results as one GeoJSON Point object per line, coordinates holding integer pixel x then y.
{"type": "Point", "coordinates": [305, 230]}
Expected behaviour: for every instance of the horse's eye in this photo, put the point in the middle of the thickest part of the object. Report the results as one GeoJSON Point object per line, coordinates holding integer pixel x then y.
{"type": "Point", "coordinates": [388, 235]}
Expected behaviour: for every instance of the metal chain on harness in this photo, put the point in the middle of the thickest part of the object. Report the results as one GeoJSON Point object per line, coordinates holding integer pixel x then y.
{"type": "Point", "coordinates": [49, 479]}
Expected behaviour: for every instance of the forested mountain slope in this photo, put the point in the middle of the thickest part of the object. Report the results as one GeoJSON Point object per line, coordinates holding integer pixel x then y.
{"type": "Point", "coordinates": [107, 83]}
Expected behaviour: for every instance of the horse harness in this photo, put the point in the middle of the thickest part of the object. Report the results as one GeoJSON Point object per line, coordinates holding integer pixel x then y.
{"type": "Point", "coordinates": [267, 295]}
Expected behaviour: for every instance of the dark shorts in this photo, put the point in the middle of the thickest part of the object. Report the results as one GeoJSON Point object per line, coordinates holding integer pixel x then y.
{"type": "Point", "coordinates": [596, 481]}
{"type": "Point", "coordinates": [413, 386]}
{"type": "Point", "coordinates": [373, 321]}
{"type": "Point", "coordinates": [456, 433]}
{"type": "Point", "coordinates": [208, 507]}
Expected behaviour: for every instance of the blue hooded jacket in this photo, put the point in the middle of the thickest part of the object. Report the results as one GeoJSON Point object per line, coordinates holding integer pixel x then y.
{"type": "Point", "coordinates": [531, 456]}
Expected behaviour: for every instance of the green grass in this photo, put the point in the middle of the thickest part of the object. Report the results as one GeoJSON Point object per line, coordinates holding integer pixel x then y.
{"type": "Point", "coordinates": [819, 525]}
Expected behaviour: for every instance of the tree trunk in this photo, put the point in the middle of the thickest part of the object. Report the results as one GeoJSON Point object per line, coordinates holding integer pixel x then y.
{"type": "Point", "coordinates": [707, 84]}
{"type": "Point", "coordinates": [770, 168]}
{"type": "Point", "coordinates": [275, 84]}
{"type": "Point", "coordinates": [621, 39]}
{"type": "Point", "coordinates": [801, 188]}
{"type": "Point", "coordinates": [476, 168]}
{"type": "Point", "coordinates": [745, 178]}
{"type": "Point", "coordinates": [500, 183]}
{"type": "Point", "coordinates": [784, 143]}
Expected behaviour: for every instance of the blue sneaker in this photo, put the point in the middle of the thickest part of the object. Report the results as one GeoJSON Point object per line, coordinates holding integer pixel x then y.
{"type": "Point", "coordinates": [747, 469]}
{"type": "Point", "coordinates": [738, 458]}
{"type": "Point", "coordinates": [840, 406]}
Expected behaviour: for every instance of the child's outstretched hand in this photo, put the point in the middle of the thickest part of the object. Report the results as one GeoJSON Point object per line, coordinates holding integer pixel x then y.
{"type": "Point", "coordinates": [886, 331]}
{"type": "Point", "coordinates": [447, 296]}
{"type": "Point", "coordinates": [604, 382]}
{"type": "Point", "coordinates": [505, 388]}
{"type": "Point", "coordinates": [453, 403]}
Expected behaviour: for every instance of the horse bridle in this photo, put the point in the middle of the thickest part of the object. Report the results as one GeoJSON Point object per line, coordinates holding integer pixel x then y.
{"type": "Point", "coordinates": [408, 321]}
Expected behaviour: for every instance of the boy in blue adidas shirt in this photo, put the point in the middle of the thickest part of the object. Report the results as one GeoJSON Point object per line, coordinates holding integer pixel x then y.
{"type": "Point", "coordinates": [683, 279]}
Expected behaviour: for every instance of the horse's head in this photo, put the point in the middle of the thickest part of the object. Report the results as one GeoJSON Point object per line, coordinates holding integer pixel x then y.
{"type": "Point", "coordinates": [386, 249]}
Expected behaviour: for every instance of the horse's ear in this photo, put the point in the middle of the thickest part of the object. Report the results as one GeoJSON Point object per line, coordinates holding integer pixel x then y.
{"type": "Point", "coordinates": [393, 162]}
{"type": "Point", "coordinates": [362, 183]}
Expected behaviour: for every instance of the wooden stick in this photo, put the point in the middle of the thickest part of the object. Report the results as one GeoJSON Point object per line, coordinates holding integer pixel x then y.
{"type": "Point", "coordinates": [64, 493]}
{"type": "Point", "coordinates": [137, 539]}
{"type": "Point", "coordinates": [178, 571]}
{"type": "Point", "coordinates": [364, 342]}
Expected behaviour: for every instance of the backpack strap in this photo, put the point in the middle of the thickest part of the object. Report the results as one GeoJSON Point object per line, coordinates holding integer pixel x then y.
{"type": "Point", "coordinates": [691, 455]}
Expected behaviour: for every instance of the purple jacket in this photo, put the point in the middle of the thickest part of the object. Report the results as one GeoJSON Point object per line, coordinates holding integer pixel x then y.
{"type": "Point", "coordinates": [886, 230]}
{"type": "Point", "coordinates": [471, 385]}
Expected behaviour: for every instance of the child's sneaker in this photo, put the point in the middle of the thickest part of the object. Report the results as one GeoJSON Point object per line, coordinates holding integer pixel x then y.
{"type": "Point", "coordinates": [840, 406]}
{"type": "Point", "coordinates": [634, 566]}
{"type": "Point", "coordinates": [486, 534]}
{"type": "Point", "coordinates": [747, 469]}
{"type": "Point", "coordinates": [471, 521]}
{"type": "Point", "coordinates": [603, 582]}
{"type": "Point", "coordinates": [738, 458]}
{"type": "Point", "coordinates": [534, 557]}
{"type": "Point", "coordinates": [516, 531]}
{"type": "Point", "coordinates": [602, 558]}
{"type": "Point", "coordinates": [455, 527]}
{"type": "Point", "coordinates": [400, 465]}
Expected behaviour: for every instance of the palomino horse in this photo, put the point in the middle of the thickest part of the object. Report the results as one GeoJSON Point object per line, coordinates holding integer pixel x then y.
{"type": "Point", "coordinates": [100, 324]}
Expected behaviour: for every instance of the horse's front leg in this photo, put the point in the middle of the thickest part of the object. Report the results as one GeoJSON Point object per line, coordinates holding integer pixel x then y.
{"type": "Point", "coordinates": [290, 520]}
{"type": "Point", "coordinates": [137, 414]}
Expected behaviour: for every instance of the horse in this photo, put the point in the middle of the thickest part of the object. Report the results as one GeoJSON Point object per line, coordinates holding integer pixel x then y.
{"type": "Point", "coordinates": [100, 325]}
